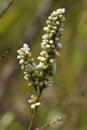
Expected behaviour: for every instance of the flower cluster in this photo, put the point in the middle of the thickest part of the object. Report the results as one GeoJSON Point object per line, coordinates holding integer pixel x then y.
{"type": "Point", "coordinates": [39, 75]}
{"type": "Point", "coordinates": [25, 60]}
{"type": "Point", "coordinates": [54, 28]}
{"type": "Point", "coordinates": [50, 45]}
{"type": "Point", "coordinates": [33, 102]}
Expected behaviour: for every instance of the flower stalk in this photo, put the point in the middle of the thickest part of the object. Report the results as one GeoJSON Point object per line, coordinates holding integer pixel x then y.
{"type": "Point", "coordinates": [39, 75]}
{"type": "Point", "coordinates": [32, 119]}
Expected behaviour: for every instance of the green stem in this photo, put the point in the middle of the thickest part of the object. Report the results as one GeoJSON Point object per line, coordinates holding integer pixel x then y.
{"type": "Point", "coordinates": [32, 119]}
{"type": "Point", "coordinates": [35, 110]}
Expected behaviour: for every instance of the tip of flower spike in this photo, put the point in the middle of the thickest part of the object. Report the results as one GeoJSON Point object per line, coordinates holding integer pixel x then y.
{"type": "Point", "coordinates": [60, 11]}
{"type": "Point", "coordinates": [63, 10]}
{"type": "Point", "coordinates": [26, 46]}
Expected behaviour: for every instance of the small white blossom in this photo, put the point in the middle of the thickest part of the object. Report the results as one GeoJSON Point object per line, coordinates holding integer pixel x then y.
{"type": "Point", "coordinates": [26, 77]}
{"type": "Point", "coordinates": [43, 43]}
{"type": "Point", "coordinates": [21, 61]}
{"type": "Point", "coordinates": [46, 29]}
{"type": "Point", "coordinates": [53, 32]}
{"type": "Point", "coordinates": [61, 29]}
{"type": "Point", "coordinates": [26, 48]}
{"type": "Point", "coordinates": [47, 46]}
{"type": "Point", "coordinates": [53, 46]}
{"type": "Point", "coordinates": [59, 45]}
{"type": "Point", "coordinates": [30, 101]}
{"type": "Point", "coordinates": [51, 41]}
{"type": "Point", "coordinates": [33, 101]}
{"type": "Point", "coordinates": [49, 26]}
{"type": "Point", "coordinates": [18, 57]}
{"type": "Point", "coordinates": [41, 58]}
{"type": "Point", "coordinates": [55, 18]}
{"type": "Point", "coordinates": [57, 23]}
{"type": "Point", "coordinates": [63, 19]}
{"type": "Point", "coordinates": [43, 53]}
{"type": "Point", "coordinates": [57, 38]}
{"type": "Point", "coordinates": [54, 13]}
{"type": "Point", "coordinates": [60, 11]}
{"type": "Point", "coordinates": [37, 103]}
{"type": "Point", "coordinates": [45, 36]}
{"type": "Point", "coordinates": [51, 60]}
{"type": "Point", "coordinates": [33, 106]}
{"type": "Point", "coordinates": [57, 53]}
{"type": "Point", "coordinates": [40, 65]}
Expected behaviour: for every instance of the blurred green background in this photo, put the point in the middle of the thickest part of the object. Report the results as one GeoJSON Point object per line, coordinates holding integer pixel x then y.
{"type": "Point", "coordinates": [23, 22]}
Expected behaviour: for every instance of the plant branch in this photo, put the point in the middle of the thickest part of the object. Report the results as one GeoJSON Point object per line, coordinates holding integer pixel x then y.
{"type": "Point", "coordinates": [6, 8]}
{"type": "Point", "coordinates": [5, 53]}
{"type": "Point", "coordinates": [59, 119]}
{"type": "Point", "coordinates": [32, 119]}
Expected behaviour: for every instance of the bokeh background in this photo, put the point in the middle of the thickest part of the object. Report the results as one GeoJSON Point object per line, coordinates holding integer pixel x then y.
{"type": "Point", "coordinates": [23, 21]}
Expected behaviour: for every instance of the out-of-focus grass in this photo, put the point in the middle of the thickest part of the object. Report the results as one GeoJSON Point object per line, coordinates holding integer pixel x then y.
{"type": "Point", "coordinates": [69, 92]}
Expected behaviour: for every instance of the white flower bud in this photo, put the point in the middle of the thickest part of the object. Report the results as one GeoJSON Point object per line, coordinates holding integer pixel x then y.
{"type": "Point", "coordinates": [51, 41]}
{"type": "Point", "coordinates": [59, 45]}
{"type": "Point", "coordinates": [54, 28]}
{"type": "Point", "coordinates": [51, 60]}
{"type": "Point", "coordinates": [29, 84]}
{"type": "Point", "coordinates": [45, 36]}
{"type": "Point", "coordinates": [18, 57]}
{"type": "Point", "coordinates": [40, 65]}
{"type": "Point", "coordinates": [18, 51]}
{"type": "Point", "coordinates": [60, 11]}
{"type": "Point", "coordinates": [63, 19]}
{"type": "Point", "coordinates": [33, 106]}
{"type": "Point", "coordinates": [46, 29]}
{"type": "Point", "coordinates": [47, 46]}
{"type": "Point", "coordinates": [53, 46]}
{"type": "Point", "coordinates": [60, 16]}
{"type": "Point", "coordinates": [21, 61]}
{"type": "Point", "coordinates": [57, 23]}
{"type": "Point", "coordinates": [41, 58]}
{"type": "Point", "coordinates": [57, 38]}
{"type": "Point", "coordinates": [49, 26]}
{"type": "Point", "coordinates": [26, 77]}
{"type": "Point", "coordinates": [43, 53]}
{"type": "Point", "coordinates": [61, 29]}
{"type": "Point", "coordinates": [32, 96]}
{"type": "Point", "coordinates": [63, 10]}
{"type": "Point", "coordinates": [37, 103]}
{"type": "Point", "coordinates": [30, 101]}
{"type": "Point", "coordinates": [49, 17]}
{"type": "Point", "coordinates": [53, 13]}
{"type": "Point", "coordinates": [26, 48]}
{"type": "Point", "coordinates": [57, 53]}
{"type": "Point", "coordinates": [53, 31]}
{"type": "Point", "coordinates": [43, 43]}
{"type": "Point", "coordinates": [22, 67]}
{"type": "Point", "coordinates": [55, 19]}
{"type": "Point", "coordinates": [48, 22]}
